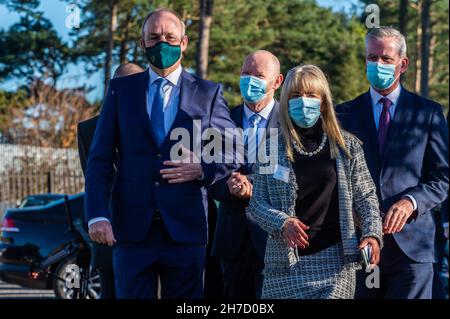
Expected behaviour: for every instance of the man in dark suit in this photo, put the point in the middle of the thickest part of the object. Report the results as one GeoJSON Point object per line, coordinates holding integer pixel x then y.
{"type": "Point", "coordinates": [158, 215]}
{"type": "Point", "coordinates": [239, 241]}
{"type": "Point", "coordinates": [405, 140]}
{"type": "Point", "coordinates": [101, 257]}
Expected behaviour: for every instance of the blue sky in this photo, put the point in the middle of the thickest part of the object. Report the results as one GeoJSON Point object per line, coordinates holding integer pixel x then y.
{"type": "Point", "coordinates": [55, 10]}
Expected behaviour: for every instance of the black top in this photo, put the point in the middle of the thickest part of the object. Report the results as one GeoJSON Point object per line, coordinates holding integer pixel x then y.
{"type": "Point", "coordinates": [317, 203]}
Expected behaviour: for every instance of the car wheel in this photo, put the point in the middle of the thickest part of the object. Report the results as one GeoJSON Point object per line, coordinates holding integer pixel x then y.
{"type": "Point", "coordinates": [63, 292]}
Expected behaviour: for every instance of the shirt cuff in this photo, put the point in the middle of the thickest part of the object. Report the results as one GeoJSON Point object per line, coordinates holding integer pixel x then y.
{"type": "Point", "coordinates": [445, 225]}
{"type": "Point", "coordinates": [413, 200]}
{"type": "Point", "coordinates": [98, 219]}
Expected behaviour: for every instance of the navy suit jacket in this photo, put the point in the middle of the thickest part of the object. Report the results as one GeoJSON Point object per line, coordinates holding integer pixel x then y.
{"type": "Point", "coordinates": [415, 162]}
{"type": "Point", "coordinates": [233, 223]}
{"type": "Point", "coordinates": [138, 189]}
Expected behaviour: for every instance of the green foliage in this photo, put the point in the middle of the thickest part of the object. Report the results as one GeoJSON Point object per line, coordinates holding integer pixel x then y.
{"type": "Point", "coordinates": [296, 31]}
{"type": "Point", "coordinates": [31, 48]}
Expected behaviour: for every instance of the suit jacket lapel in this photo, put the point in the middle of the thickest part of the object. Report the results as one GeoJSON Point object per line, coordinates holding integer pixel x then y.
{"type": "Point", "coordinates": [142, 97]}
{"type": "Point", "coordinates": [396, 124]}
{"type": "Point", "coordinates": [274, 119]}
{"type": "Point", "coordinates": [369, 121]}
{"type": "Point", "coordinates": [237, 115]}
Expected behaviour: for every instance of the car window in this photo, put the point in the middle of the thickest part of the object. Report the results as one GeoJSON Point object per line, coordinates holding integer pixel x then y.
{"type": "Point", "coordinates": [35, 201]}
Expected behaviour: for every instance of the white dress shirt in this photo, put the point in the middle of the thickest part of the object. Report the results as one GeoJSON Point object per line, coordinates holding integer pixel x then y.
{"type": "Point", "coordinates": [377, 107]}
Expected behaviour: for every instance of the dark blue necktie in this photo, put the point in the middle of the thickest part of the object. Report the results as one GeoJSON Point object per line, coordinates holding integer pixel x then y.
{"type": "Point", "coordinates": [157, 116]}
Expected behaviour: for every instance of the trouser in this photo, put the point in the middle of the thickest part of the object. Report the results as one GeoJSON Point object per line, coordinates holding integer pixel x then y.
{"type": "Point", "coordinates": [179, 266]}
{"type": "Point", "coordinates": [400, 276]}
{"type": "Point", "coordinates": [243, 274]}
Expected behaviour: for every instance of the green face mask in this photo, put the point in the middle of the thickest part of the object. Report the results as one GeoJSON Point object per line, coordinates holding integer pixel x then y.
{"type": "Point", "coordinates": [163, 55]}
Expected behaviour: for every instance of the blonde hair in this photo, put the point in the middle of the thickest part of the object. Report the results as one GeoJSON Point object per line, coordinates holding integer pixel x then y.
{"type": "Point", "coordinates": [300, 80]}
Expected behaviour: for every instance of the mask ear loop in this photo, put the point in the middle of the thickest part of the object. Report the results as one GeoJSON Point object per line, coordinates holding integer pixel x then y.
{"type": "Point", "coordinates": [267, 82]}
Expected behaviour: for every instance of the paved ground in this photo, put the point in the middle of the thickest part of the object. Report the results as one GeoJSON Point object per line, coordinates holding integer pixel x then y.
{"type": "Point", "coordinates": [9, 291]}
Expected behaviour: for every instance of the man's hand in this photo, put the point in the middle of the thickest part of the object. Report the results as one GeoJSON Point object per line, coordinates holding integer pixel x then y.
{"type": "Point", "coordinates": [294, 233]}
{"type": "Point", "coordinates": [239, 185]}
{"type": "Point", "coordinates": [375, 259]}
{"type": "Point", "coordinates": [397, 216]}
{"type": "Point", "coordinates": [185, 170]}
{"type": "Point", "coordinates": [101, 232]}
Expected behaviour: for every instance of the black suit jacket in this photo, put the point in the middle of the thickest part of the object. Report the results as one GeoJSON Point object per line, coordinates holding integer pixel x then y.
{"type": "Point", "coordinates": [101, 254]}
{"type": "Point", "coordinates": [233, 223]}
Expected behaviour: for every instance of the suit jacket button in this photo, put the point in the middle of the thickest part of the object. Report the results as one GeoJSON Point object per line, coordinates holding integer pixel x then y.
{"type": "Point", "coordinates": [158, 156]}
{"type": "Point", "coordinates": [156, 184]}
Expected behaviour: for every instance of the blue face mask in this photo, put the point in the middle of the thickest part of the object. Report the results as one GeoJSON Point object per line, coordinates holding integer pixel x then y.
{"type": "Point", "coordinates": [381, 76]}
{"type": "Point", "coordinates": [253, 89]}
{"type": "Point", "coordinates": [304, 111]}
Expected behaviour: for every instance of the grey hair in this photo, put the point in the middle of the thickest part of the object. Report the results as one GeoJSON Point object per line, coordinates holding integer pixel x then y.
{"type": "Point", "coordinates": [389, 32]}
{"type": "Point", "coordinates": [160, 10]}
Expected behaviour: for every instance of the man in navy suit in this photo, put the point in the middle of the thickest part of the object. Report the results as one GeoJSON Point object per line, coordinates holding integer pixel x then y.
{"type": "Point", "coordinates": [405, 140]}
{"type": "Point", "coordinates": [239, 241]}
{"type": "Point", "coordinates": [101, 255]}
{"type": "Point", "coordinates": [157, 217]}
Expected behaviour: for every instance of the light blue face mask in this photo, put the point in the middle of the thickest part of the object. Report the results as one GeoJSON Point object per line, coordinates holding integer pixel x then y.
{"type": "Point", "coordinates": [304, 111]}
{"type": "Point", "coordinates": [381, 76]}
{"type": "Point", "coordinates": [253, 89]}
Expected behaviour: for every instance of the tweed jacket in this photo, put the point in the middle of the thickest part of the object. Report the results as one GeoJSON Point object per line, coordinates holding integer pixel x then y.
{"type": "Point", "coordinates": [273, 201]}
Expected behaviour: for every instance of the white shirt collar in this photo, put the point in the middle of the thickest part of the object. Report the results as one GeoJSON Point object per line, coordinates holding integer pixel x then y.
{"type": "Point", "coordinates": [393, 96]}
{"type": "Point", "coordinates": [172, 77]}
{"type": "Point", "coordinates": [264, 113]}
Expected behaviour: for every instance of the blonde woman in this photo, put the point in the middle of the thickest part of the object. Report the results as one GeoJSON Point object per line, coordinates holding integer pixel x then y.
{"type": "Point", "coordinates": [311, 200]}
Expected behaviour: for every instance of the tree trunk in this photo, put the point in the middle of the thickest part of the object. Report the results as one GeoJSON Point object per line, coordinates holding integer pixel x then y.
{"type": "Point", "coordinates": [432, 53]}
{"type": "Point", "coordinates": [124, 42]}
{"type": "Point", "coordinates": [425, 47]}
{"type": "Point", "coordinates": [110, 45]}
{"type": "Point", "coordinates": [403, 17]}
{"type": "Point", "coordinates": [418, 64]}
{"type": "Point", "coordinates": [206, 16]}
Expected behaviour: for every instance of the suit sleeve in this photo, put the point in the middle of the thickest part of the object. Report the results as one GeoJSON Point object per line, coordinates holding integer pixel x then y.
{"type": "Point", "coordinates": [220, 120]}
{"type": "Point", "coordinates": [267, 217]}
{"type": "Point", "coordinates": [219, 190]}
{"type": "Point", "coordinates": [433, 187]}
{"type": "Point", "coordinates": [81, 149]}
{"type": "Point", "coordinates": [365, 197]}
{"type": "Point", "coordinates": [444, 212]}
{"type": "Point", "coordinates": [100, 164]}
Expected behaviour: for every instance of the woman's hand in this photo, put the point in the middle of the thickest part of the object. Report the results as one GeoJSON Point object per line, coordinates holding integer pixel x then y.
{"type": "Point", "coordinates": [372, 241]}
{"type": "Point", "coordinates": [294, 233]}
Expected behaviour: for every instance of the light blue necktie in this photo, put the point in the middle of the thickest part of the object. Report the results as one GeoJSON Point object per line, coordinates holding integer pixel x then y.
{"type": "Point", "coordinates": [157, 116]}
{"type": "Point", "coordinates": [252, 136]}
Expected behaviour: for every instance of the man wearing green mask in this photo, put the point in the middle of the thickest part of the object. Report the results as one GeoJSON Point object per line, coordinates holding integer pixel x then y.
{"type": "Point", "coordinates": [157, 220]}
{"type": "Point", "coordinates": [405, 141]}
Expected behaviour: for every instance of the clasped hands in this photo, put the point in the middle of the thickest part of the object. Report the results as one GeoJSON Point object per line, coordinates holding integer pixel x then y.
{"type": "Point", "coordinates": [239, 185]}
